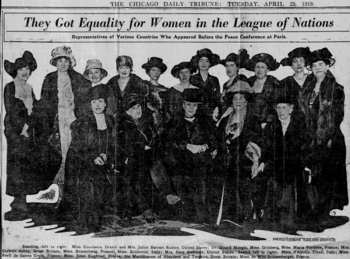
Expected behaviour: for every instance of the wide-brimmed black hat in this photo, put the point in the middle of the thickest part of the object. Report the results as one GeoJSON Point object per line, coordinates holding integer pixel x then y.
{"type": "Point", "coordinates": [155, 62]}
{"type": "Point", "coordinates": [285, 97]}
{"type": "Point", "coordinates": [98, 92]}
{"type": "Point", "coordinates": [27, 60]}
{"type": "Point", "coordinates": [241, 59]}
{"type": "Point", "coordinates": [192, 95]}
{"type": "Point", "coordinates": [271, 63]}
{"type": "Point", "coordinates": [214, 59]}
{"type": "Point", "coordinates": [322, 54]}
{"type": "Point", "coordinates": [183, 65]}
{"type": "Point", "coordinates": [296, 53]}
{"type": "Point", "coordinates": [130, 100]}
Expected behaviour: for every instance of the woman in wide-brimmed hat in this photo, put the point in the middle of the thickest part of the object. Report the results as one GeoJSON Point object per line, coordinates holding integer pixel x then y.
{"type": "Point", "coordinates": [19, 99]}
{"type": "Point", "coordinates": [323, 104]}
{"type": "Point", "coordinates": [183, 72]}
{"type": "Point", "coordinates": [233, 63]}
{"type": "Point", "coordinates": [63, 99]}
{"type": "Point", "coordinates": [202, 61]}
{"type": "Point", "coordinates": [292, 85]}
{"type": "Point", "coordinates": [239, 149]}
{"type": "Point", "coordinates": [90, 181]}
{"type": "Point", "coordinates": [264, 85]}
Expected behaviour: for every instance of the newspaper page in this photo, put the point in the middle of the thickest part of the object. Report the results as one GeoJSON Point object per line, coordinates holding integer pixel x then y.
{"type": "Point", "coordinates": [53, 48]}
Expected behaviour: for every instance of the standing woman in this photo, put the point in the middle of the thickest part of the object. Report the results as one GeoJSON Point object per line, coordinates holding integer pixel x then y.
{"type": "Point", "coordinates": [233, 63]}
{"type": "Point", "coordinates": [19, 100]}
{"type": "Point", "coordinates": [297, 60]}
{"type": "Point", "coordinates": [183, 72]}
{"type": "Point", "coordinates": [203, 60]}
{"type": "Point", "coordinates": [125, 83]}
{"type": "Point", "coordinates": [323, 105]}
{"type": "Point", "coordinates": [63, 99]}
{"type": "Point", "coordinates": [264, 85]}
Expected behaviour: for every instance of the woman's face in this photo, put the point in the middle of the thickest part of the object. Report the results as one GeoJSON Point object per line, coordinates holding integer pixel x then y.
{"type": "Point", "coordinates": [62, 64]}
{"type": "Point", "coordinates": [203, 64]}
{"type": "Point", "coordinates": [124, 71]}
{"type": "Point", "coordinates": [190, 109]}
{"type": "Point", "coordinates": [23, 74]}
{"type": "Point", "coordinates": [98, 105]}
{"type": "Point", "coordinates": [261, 70]}
{"type": "Point", "coordinates": [154, 73]}
{"type": "Point", "coordinates": [95, 75]}
{"type": "Point", "coordinates": [135, 112]}
{"type": "Point", "coordinates": [320, 69]}
{"type": "Point", "coordinates": [239, 102]}
{"type": "Point", "coordinates": [184, 75]}
{"type": "Point", "coordinates": [298, 65]}
{"type": "Point", "coordinates": [231, 69]}
{"type": "Point", "coordinates": [284, 110]}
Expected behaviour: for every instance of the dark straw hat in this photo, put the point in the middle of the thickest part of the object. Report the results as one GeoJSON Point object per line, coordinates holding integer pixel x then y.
{"type": "Point", "coordinates": [183, 65]}
{"type": "Point", "coordinates": [214, 59]}
{"type": "Point", "coordinates": [155, 62]}
{"type": "Point", "coordinates": [322, 54]}
{"type": "Point", "coordinates": [192, 95]}
{"type": "Point", "coordinates": [296, 53]}
{"type": "Point", "coordinates": [131, 100]}
{"type": "Point", "coordinates": [98, 92]}
{"type": "Point", "coordinates": [271, 63]}
{"type": "Point", "coordinates": [27, 60]}
{"type": "Point", "coordinates": [241, 60]}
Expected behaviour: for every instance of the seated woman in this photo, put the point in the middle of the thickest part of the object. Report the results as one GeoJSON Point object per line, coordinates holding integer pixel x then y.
{"type": "Point", "coordinates": [190, 141]}
{"type": "Point", "coordinates": [136, 137]}
{"type": "Point", "coordinates": [288, 160]}
{"type": "Point", "coordinates": [264, 85]}
{"type": "Point", "coordinates": [239, 148]}
{"type": "Point", "coordinates": [89, 174]}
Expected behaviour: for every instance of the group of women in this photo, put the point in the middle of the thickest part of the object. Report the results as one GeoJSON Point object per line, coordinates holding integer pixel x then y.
{"type": "Point", "coordinates": [261, 150]}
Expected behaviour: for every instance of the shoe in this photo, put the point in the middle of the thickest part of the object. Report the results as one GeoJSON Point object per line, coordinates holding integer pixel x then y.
{"type": "Point", "coordinates": [49, 195]}
{"type": "Point", "coordinates": [148, 216]}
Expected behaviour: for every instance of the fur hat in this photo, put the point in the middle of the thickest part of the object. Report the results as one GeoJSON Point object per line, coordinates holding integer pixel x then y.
{"type": "Point", "coordinates": [94, 63]}
{"type": "Point", "coordinates": [192, 95]}
{"type": "Point", "coordinates": [271, 63]}
{"type": "Point", "coordinates": [214, 59]}
{"type": "Point", "coordinates": [155, 62]}
{"type": "Point", "coordinates": [62, 51]}
{"type": "Point", "coordinates": [322, 54]}
{"type": "Point", "coordinates": [97, 92]}
{"type": "Point", "coordinates": [131, 100]}
{"type": "Point", "coordinates": [240, 87]}
{"type": "Point", "coordinates": [296, 53]}
{"type": "Point", "coordinates": [27, 60]}
{"type": "Point", "coordinates": [183, 65]}
{"type": "Point", "coordinates": [241, 60]}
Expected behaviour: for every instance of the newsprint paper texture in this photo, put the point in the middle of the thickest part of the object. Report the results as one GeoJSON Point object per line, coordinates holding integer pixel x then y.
{"type": "Point", "coordinates": [173, 31]}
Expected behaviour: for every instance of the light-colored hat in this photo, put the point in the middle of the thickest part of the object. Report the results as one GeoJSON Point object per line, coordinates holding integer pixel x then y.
{"type": "Point", "coordinates": [241, 87]}
{"type": "Point", "coordinates": [94, 63]}
{"type": "Point", "coordinates": [62, 51]}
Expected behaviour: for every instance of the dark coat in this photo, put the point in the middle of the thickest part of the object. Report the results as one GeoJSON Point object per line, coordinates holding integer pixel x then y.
{"type": "Point", "coordinates": [264, 102]}
{"type": "Point", "coordinates": [47, 107]}
{"type": "Point", "coordinates": [198, 132]}
{"type": "Point", "coordinates": [85, 182]}
{"type": "Point", "coordinates": [325, 125]}
{"type": "Point", "coordinates": [211, 91]}
{"type": "Point", "coordinates": [22, 174]}
{"type": "Point", "coordinates": [134, 85]}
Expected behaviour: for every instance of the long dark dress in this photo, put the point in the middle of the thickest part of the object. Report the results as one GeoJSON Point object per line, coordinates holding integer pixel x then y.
{"type": "Point", "coordinates": [264, 101]}
{"type": "Point", "coordinates": [211, 91]}
{"type": "Point", "coordinates": [88, 186]}
{"type": "Point", "coordinates": [324, 117]}
{"type": "Point", "coordinates": [240, 189]}
{"type": "Point", "coordinates": [285, 160]}
{"type": "Point", "coordinates": [23, 168]}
